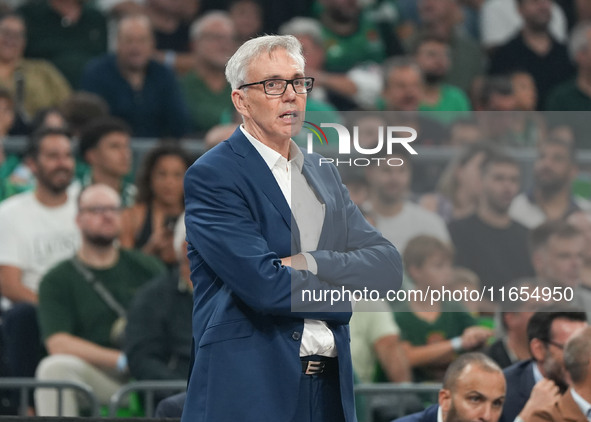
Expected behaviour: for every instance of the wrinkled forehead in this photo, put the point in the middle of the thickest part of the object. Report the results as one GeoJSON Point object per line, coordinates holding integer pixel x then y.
{"type": "Point", "coordinates": [99, 196]}
{"type": "Point", "coordinates": [274, 63]}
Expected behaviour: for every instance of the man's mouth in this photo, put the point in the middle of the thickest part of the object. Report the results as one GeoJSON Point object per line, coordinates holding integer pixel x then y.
{"type": "Point", "coordinates": [288, 115]}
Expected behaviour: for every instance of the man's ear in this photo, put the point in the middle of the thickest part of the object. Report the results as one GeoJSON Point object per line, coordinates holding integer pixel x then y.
{"type": "Point", "coordinates": [538, 349]}
{"type": "Point", "coordinates": [537, 260]}
{"type": "Point", "coordinates": [239, 100]}
{"type": "Point", "coordinates": [89, 156]}
{"type": "Point", "coordinates": [444, 401]}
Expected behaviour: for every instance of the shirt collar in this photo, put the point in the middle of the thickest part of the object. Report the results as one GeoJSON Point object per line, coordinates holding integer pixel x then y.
{"type": "Point", "coordinates": [537, 374]}
{"type": "Point", "coordinates": [272, 157]}
{"type": "Point", "coordinates": [582, 403]}
{"type": "Point", "coordinates": [439, 414]}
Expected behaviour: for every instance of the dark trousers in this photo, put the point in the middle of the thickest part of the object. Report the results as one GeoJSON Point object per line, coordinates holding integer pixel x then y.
{"type": "Point", "coordinates": [319, 399]}
{"type": "Point", "coordinates": [21, 339]}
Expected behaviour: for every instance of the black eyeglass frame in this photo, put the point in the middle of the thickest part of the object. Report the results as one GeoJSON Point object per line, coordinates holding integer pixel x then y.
{"type": "Point", "coordinates": [287, 83]}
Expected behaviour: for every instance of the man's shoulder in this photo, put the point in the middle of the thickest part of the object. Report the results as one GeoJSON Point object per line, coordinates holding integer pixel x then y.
{"type": "Point", "coordinates": [517, 369]}
{"type": "Point", "coordinates": [427, 415]}
{"type": "Point", "coordinates": [102, 65]}
{"type": "Point", "coordinates": [16, 204]}
{"type": "Point", "coordinates": [420, 213]}
{"type": "Point", "coordinates": [61, 273]}
{"type": "Point", "coordinates": [140, 260]}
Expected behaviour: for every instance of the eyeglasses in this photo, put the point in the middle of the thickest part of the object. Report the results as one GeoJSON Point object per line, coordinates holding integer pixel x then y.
{"type": "Point", "coordinates": [553, 343]}
{"type": "Point", "coordinates": [278, 86]}
{"type": "Point", "coordinates": [100, 210]}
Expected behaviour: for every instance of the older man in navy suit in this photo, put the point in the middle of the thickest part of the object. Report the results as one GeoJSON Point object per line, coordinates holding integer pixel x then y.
{"type": "Point", "coordinates": [265, 223]}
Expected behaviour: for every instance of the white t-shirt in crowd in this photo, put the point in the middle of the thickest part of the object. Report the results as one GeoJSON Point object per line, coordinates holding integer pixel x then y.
{"type": "Point", "coordinates": [34, 237]}
{"type": "Point", "coordinates": [413, 220]}
{"type": "Point", "coordinates": [500, 21]}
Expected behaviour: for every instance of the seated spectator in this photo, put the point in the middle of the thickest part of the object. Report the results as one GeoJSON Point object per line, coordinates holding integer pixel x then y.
{"type": "Point", "coordinates": [82, 301]}
{"type": "Point", "coordinates": [551, 196]}
{"type": "Point", "coordinates": [149, 224]}
{"type": "Point", "coordinates": [433, 334]}
{"type": "Point", "coordinates": [582, 222]}
{"type": "Point", "coordinates": [8, 162]}
{"type": "Point", "coordinates": [206, 91]}
{"type": "Point", "coordinates": [80, 108]}
{"type": "Point", "coordinates": [575, 94]}
{"type": "Point", "coordinates": [247, 16]}
{"type": "Point", "coordinates": [37, 230]}
{"type": "Point", "coordinates": [439, 19]}
{"type": "Point", "coordinates": [34, 84]}
{"type": "Point", "coordinates": [403, 90]}
{"type": "Point", "coordinates": [547, 333]}
{"type": "Point", "coordinates": [158, 333]}
{"type": "Point", "coordinates": [22, 179]}
{"type": "Point", "coordinates": [443, 102]}
{"type": "Point", "coordinates": [396, 217]}
{"type": "Point", "coordinates": [106, 146]}
{"type": "Point", "coordinates": [557, 253]}
{"type": "Point", "coordinates": [375, 340]}
{"type": "Point", "coordinates": [505, 126]}
{"type": "Point", "coordinates": [137, 89]}
{"type": "Point", "coordinates": [511, 345]}
{"type": "Point", "coordinates": [170, 24]}
{"type": "Point", "coordinates": [573, 405]}
{"type": "Point", "coordinates": [66, 33]}
{"type": "Point", "coordinates": [534, 50]}
{"type": "Point", "coordinates": [489, 242]}
{"type": "Point", "coordinates": [357, 88]}
{"type": "Point", "coordinates": [458, 189]}
{"type": "Point", "coordinates": [466, 280]}
{"type": "Point", "coordinates": [465, 132]}
{"type": "Point", "coordinates": [500, 20]}
{"type": "Point", "coordinates": [350, 38]}
{"type": "Point", "coordinates": [473, 389]}
{"type": "Point", "coordinates": [524, 90]}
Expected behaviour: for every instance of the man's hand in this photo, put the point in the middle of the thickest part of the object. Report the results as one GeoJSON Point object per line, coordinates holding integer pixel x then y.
{"type": "Point", "coordinates": [543, 397]}
{"type": "Point", "coordinates": [297, 262]}
{"type": "Point", "coordinates": [475, 337]}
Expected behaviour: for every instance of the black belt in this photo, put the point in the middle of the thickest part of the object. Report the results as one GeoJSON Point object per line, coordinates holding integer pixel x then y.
{"type": "Point", "coordinates": [319, 365]}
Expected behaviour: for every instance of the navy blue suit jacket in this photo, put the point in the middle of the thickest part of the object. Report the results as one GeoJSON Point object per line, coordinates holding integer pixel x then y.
{"type": "Point", "coordinates": [427, 415]}
{"type": "Point", "coordinates": [520, 382]}
{"type": "Point", "coordinates": [247, 338]}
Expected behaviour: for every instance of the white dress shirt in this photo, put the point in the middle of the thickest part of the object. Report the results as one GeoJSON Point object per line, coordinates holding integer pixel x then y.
{"type": "Point", "coordinates": [308, 212]}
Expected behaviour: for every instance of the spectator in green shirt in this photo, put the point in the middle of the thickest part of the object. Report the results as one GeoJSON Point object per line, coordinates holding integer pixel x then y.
{"type": "Point", "coordinates": [206, 91]}
{"type": "Point", "coordinates": [443, 102]}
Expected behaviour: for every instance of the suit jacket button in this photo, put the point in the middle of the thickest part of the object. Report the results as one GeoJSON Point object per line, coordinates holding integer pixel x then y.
{"type": "Point", "coordinates": [296, 335]}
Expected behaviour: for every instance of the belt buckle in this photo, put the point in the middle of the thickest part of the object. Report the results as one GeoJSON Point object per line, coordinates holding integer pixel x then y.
{"type": "Point", "coordinates": [314, 367]}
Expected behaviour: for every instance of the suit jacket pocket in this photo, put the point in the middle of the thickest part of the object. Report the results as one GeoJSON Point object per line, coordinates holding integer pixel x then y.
{"type": "Point", "coordinates": [227, 331]}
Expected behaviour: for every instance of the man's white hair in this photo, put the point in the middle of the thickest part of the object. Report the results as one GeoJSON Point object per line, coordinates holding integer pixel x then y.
{"type": "Point", "coordinates": [579, 39]}
{"type": "Point", "coordinates": [237, 66]}
{"type": "Point", "coordinates": [199, 25]}
{"type": "Point", "coordinates": [300, 26]}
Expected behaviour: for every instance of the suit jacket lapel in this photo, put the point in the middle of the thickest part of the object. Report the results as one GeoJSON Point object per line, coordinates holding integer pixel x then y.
{"type": "Point", "coordinates": [257, 169]}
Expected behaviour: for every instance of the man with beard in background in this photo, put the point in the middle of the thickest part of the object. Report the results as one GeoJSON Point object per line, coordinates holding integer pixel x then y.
{"type": "Point", "coordinates": [551, 197]}
{"type": "Point", "coordinates": [473, 389]}
{"type": "Point", "coordinates": [547, 333]}
{"type": "Point", "coordinates": [433, 57]}
{"type": "Point", "coordinates": [490, 242]}
{"type": "Point", "coordinates": [37, 230]}
{"type": "Point", "coordinates": [81, 299]}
